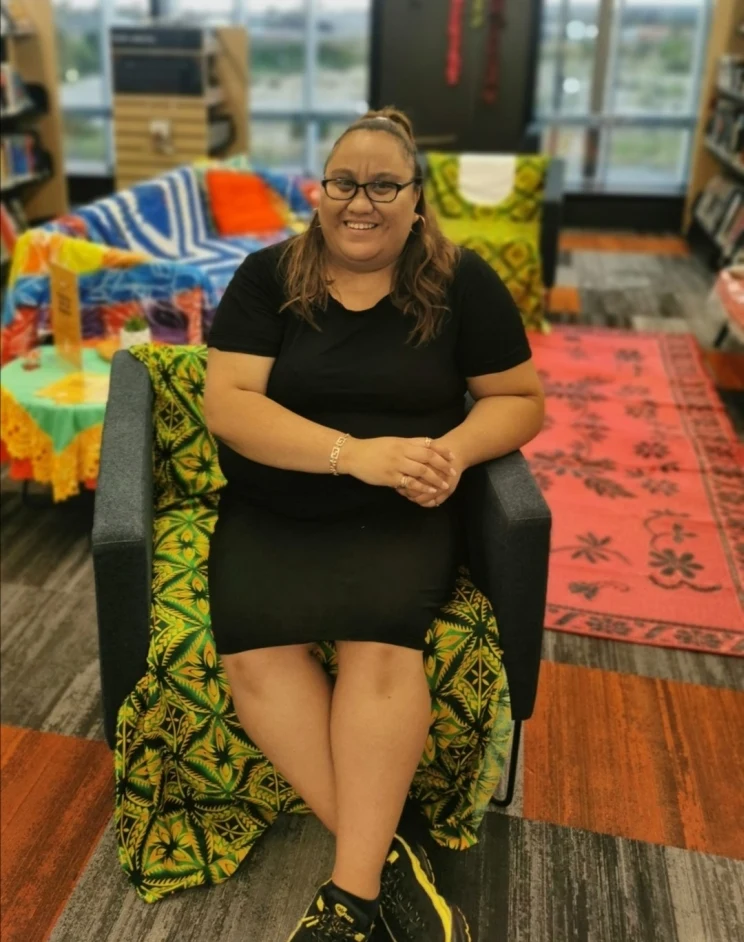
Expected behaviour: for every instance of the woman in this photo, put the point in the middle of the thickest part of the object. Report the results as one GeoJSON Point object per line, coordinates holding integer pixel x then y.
{"type": "Point", "coordinates": [337, 369]}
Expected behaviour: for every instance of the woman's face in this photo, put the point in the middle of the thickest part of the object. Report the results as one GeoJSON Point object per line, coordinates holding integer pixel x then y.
{"type": "Point", "coordinates": [361, 234]}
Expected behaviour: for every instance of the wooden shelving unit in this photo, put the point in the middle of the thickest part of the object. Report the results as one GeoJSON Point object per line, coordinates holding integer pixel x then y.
{"type": "Point", "coordinates": [156, 130]}
{"type": "Point", "coordinates": [708, 159]}
{"type": "Point", "coordinates": [32, 52]}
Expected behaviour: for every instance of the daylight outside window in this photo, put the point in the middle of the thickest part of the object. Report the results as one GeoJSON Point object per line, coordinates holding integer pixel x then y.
{"type": "Point", "coordinates": [618, 89]}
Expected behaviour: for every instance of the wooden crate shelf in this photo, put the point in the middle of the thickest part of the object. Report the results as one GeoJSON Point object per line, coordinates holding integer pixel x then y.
{"type": "Point", "coordinates": [140, 155]}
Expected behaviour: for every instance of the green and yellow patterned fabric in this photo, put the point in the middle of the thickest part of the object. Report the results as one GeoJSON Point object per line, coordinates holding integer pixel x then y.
{"type": "Point", "coordinates": [193, 793]}
{"type": "Point", "coordinates": [506, 234]}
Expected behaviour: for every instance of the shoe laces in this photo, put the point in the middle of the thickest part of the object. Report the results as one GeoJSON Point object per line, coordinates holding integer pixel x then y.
{"type": "Point", "coordinates": [333, 923]}
{"type": "Point", "coordinates": [396, 898]}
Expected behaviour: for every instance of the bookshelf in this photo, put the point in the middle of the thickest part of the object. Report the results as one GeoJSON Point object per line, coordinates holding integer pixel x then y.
{"type": "Point", "coordinates": [180, 94]}
{"type": "Point", "coordinates": [714, 205]}
{"type": "Point", "coordinates": [31, 115]}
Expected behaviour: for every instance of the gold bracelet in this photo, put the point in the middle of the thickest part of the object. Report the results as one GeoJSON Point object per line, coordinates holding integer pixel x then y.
{"type": "Point", "coordinates": [336, 451]}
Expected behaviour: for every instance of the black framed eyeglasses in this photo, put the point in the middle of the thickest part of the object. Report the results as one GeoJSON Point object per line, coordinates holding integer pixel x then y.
{"type": "Point", "coordinates": [378, 191]}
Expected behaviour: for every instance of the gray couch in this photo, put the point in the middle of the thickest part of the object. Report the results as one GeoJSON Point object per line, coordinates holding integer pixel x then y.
{"type": "Point", "coordinates": [508, 536]}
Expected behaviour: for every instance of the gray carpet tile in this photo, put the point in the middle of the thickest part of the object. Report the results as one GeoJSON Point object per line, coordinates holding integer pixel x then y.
{"type": "Point", "coordinates": [707, 895]}
{"type": "Point", "coordinates": [570, 884]}
{"type": "Point", "coordinates": [524, 882]}
{"type": "Point", "coordinates": [49, 676]}
{"type": "Point", "coordinates": [262, 902]}
{"type": "Point", "coordinates": [566, 276]}
{"type": "Point", "coordinates": [644, 660]}
{"type": "Point", "coordinates": [626, 290]}
{"type": "Point", "coordinates": [46, 545]}
{"type": "Point", "coordinates": [48, 632]}
{"type": "Point", "coordinates": [660, 324]}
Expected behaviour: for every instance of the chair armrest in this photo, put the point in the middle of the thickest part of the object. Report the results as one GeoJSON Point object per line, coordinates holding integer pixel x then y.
{"type": "Point", "coordinates": [122, 535]}
{"type": "Point", "coordinates": [508, 534]}
{"type": "Point", "coordinates": [552, 220]}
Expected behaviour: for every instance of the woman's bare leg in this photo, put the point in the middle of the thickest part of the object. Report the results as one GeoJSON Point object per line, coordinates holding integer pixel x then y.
{"type": "Point", "coordinates": [282, 696]}
{"type": "Point", "coordinates": [380, 718]}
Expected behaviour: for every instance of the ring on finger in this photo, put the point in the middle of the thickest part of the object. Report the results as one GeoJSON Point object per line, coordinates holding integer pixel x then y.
{"type": "Point", "coordinates": [404, 482]}
{"type": "Point", "coordinates": [427, 442]}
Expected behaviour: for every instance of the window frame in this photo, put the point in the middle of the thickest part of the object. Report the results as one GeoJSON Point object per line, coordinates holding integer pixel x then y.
{"type": "Point", "coordinates": [604, 118]}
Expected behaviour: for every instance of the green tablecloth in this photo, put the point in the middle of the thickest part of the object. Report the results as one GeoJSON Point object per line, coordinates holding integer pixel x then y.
{"type": "Point", "coordinates": [53, 416]}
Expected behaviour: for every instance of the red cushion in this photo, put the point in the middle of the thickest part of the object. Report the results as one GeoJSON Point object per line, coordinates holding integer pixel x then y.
{"type": "Point", "coordinates": [243, 204]}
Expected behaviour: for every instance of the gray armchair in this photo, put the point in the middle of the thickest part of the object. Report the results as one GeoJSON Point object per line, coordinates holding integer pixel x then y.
{"type": "Point", "coordinates": [508, 537]}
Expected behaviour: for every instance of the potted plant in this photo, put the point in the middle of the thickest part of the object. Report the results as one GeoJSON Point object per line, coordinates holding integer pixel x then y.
{"type": "Point", "coordinates": [135, 330]}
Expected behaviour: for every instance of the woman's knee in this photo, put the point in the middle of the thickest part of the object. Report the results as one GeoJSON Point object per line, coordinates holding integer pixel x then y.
{"type": "Point", "coordinates": [383, 668]}
{"type": "Point", "coordinates": [263, 671]}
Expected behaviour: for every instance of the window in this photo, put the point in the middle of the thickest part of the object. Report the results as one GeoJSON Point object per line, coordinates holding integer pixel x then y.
{"type": "Point", "coordinates": [618, 87]}
{"type": "Point", "coordinates": [308, 71]}
{"type": "Point", "coordinates": [83, 63]}
{"type": "Point", "coordinates": [80, 53]}
{"type": "Point", "coordinates": [278, 42]}
{"type": "Point", "coordinates": [341, 75]}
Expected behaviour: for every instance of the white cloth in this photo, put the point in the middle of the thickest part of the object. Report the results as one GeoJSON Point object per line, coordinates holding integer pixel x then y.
{"type": "Point", "coordinates": [487, 179]}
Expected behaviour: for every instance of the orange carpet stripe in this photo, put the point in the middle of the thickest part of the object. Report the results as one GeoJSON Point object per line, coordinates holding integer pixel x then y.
{"type": "Point", "coordinates": [637, 757]}
{"type": "Point", "coordinates": [623, 242]}
{"type": "Point", "coordinates": [57, 797]}
{"type": "Point", "coordinates": [564, 299]}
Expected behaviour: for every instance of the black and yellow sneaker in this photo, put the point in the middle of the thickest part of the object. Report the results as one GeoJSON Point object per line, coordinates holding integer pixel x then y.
{"type": "Point", "coordinates": [411, 909]}
{"type": "Point", "coordinates": [327, 920]}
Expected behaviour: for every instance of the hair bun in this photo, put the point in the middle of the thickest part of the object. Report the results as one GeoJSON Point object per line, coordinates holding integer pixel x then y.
{"type": "Point", "coordinates": [397, 117]}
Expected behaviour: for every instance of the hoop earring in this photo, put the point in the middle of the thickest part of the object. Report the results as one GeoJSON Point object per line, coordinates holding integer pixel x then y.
{"type": "Point", "coordinates": [418, 219]}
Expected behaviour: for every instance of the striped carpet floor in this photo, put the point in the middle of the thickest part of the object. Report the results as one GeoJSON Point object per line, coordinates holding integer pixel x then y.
{"type": "Point", "coordinates": [626, 826]}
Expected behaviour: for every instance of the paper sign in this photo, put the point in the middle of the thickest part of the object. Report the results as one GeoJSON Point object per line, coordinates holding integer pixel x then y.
{"type": "Point", "coordinates": [66, 323]}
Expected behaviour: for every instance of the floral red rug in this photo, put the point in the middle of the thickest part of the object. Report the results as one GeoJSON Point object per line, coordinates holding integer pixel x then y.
{"type": "Point", "coordinates": [645, 479]}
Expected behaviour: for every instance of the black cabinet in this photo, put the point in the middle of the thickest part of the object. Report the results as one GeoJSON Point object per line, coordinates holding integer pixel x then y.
{"type": "Point", "coordinates": [408, 70]}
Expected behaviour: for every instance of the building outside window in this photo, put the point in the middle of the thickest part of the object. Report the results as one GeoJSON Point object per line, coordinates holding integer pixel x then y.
{"type": "Point", "coordinates": [618, 89]}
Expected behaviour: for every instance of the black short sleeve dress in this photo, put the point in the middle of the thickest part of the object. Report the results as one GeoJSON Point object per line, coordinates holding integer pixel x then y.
{"type": "Point", "coordinates": [298, 557]}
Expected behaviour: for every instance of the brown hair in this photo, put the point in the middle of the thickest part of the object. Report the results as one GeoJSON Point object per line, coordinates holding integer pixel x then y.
{"type": "Point", "coordinates": [425, 267]}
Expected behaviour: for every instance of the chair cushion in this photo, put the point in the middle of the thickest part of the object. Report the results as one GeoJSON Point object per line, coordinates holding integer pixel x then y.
{"type": "Point", "coordinates": [187, 775]}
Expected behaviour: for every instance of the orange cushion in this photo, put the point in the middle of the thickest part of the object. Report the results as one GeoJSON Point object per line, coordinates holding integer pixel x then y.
{"type": "Point", "coordinates": [242, 203]}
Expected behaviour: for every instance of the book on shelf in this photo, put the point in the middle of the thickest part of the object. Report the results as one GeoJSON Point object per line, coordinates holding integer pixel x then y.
{"type": "Point", "coordinates": [713, 203]}
{"type": "Point", "coordinates": [731, 74]}
{"type": "Point", "coordinates": [725, 129]}
{"type": "Point", "coordinates": [720, 212]}
{"type": "Point", "coordinates": [20, 156]}
{"type": "Point", "coordinates": [732, 236]}
{"type": "Point", "coordinates": [13, 94]}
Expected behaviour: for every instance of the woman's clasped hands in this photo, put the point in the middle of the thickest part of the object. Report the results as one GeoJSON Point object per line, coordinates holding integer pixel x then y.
{"type": "Point", "coordinates": [423, 470]}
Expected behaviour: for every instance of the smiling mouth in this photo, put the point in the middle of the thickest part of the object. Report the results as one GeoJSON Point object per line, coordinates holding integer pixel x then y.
{"type": "Point", "coordinates": [360, 226]}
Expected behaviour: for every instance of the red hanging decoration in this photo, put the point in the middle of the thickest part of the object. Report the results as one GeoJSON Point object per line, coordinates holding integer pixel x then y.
{"type": "Point", "coordinates": [454, 50]}
{"type": "Point", "coordinates": [496, 26]}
